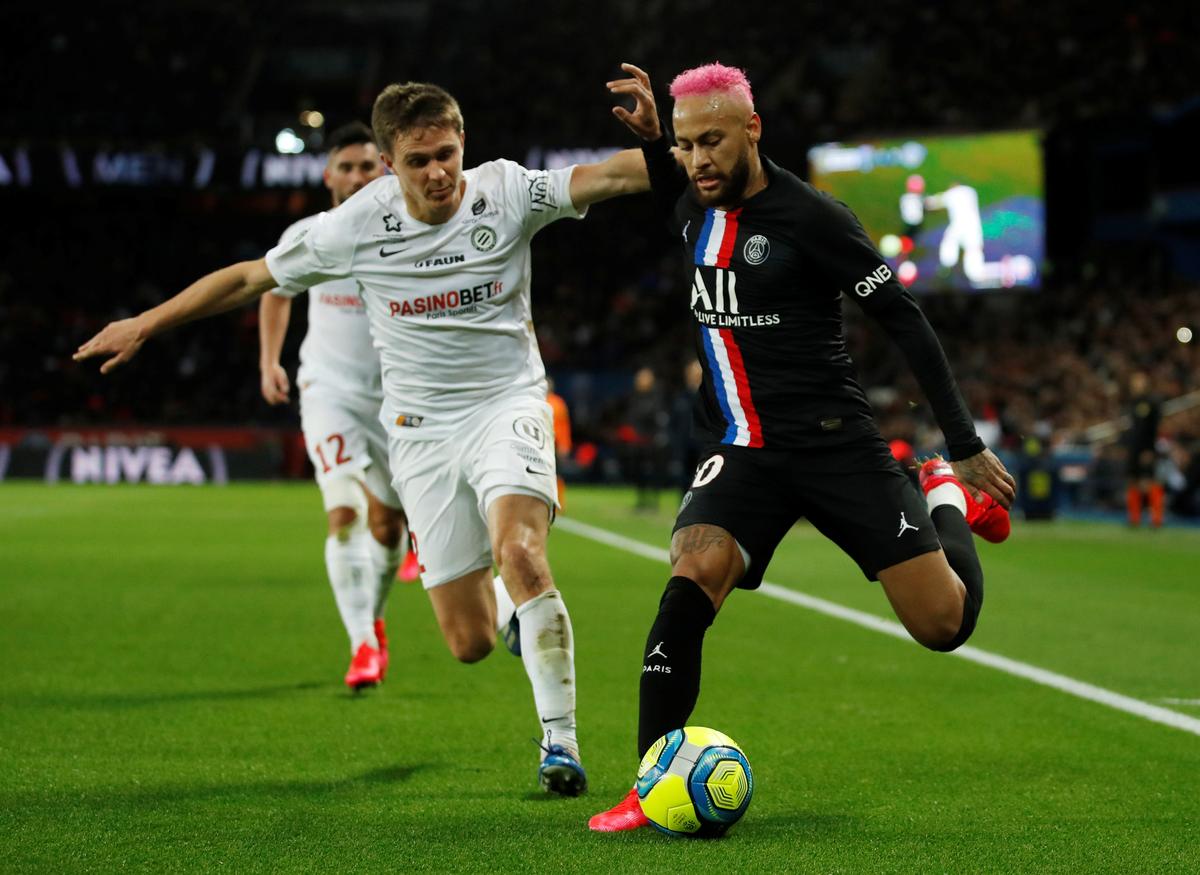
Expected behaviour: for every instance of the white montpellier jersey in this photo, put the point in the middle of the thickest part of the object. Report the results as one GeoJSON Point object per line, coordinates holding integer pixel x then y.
{"type": "Point", "coordinates": [448, 304]}
{"type": "Point", "coordinates": [337, 350]}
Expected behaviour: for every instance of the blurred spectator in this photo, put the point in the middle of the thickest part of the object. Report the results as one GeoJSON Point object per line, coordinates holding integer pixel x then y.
{"type": "Point", "coordinates": [685, 449]}
{"type": "Point", "coordinates": [1141, 447]}
{"type": "Point", "coordinates": [645, 436]}
{"type": "Point", "coordinates": [562, 438]}
{"type": "Point", "coordinates": [1185, 501]}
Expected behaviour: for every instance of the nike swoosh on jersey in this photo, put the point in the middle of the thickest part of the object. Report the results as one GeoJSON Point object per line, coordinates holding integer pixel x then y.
{"type": "Point", "coordinates": [530, 470]}
{"type": "Point", "coordinates": [383, 253]}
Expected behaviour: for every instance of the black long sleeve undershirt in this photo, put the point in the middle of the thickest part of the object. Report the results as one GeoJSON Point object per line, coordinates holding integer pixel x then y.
{"type": "Point", "coordinates": [667, 179]}
{"type": "Point", "coordinates": [908, 328]}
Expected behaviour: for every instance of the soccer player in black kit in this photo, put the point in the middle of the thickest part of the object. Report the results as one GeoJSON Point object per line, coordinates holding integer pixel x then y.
{"type": "Point", "coordinates": [788, 433]}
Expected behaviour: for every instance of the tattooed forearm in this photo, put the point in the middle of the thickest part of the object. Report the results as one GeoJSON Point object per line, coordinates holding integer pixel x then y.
{"type": "Point", "coordinates": [697, 539]}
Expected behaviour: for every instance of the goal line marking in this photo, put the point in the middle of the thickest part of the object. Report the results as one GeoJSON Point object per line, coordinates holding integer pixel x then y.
{"type": "Point", "coordinates": [1062, 683]}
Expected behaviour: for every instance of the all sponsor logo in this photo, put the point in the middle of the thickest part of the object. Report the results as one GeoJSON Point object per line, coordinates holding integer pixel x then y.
{"type": "Point", "coordinates": [530, 429]}
{"type": "Point", "coordinates": [872, 281]}
{"type": "Point", "coordinates": [483, 238]}
{"type": "Point", "coordinates": [391, 224]}
{"type": "Point", "coordinates": [718, 305]}
{"type": "Point", "coordinates": [756, 250]}
{"type": "Point", "coordinates": [725, 292]}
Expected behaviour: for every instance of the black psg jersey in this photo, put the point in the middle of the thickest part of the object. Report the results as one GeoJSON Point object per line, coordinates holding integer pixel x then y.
{"type": "Point", "coordinates": [767, 280]}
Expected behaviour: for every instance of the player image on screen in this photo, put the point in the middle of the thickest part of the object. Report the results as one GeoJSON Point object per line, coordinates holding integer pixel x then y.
{"type": "Point", "coordinates": [946, 212]}
{"type": "Point", "coordinates": [441, 259]}
{"type": "Point", "coordinates": [788, 431]}
{"type": "Point", "coordinates": [340, 399]}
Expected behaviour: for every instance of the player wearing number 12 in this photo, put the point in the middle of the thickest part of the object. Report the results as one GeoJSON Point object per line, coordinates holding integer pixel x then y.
{"type": "Point", "coordinates": [441, 258]}
{"type": "Point", "coordinates": [340, 398]}
{"type": "Point", "coordinates": [789, 432]}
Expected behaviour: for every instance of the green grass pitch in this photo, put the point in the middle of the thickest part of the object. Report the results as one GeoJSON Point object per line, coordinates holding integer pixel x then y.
{"type": "Point", "coordinates": [170, 699]}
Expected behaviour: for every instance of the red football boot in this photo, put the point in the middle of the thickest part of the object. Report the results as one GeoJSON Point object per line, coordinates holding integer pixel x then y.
{"type": "Point", "coordinates": [410, 569]}
{"type": "Point", "coordinates": [986, 517]}
{"type": "Point", "coordinates": [366, 669]}
{"type": "Point", "coordinates": [381, 634]}
{"type": "Point", "coordinates": [625, 815]}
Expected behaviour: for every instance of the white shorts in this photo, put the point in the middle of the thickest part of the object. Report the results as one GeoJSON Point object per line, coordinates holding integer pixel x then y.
{"type": "Point", "coordinates": [343, 436]}
{"type": "Point", "coordinates": [448, 485]}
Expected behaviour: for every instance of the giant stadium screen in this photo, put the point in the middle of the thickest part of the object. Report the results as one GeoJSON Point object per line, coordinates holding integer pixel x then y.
{"type": "Point", "coordinates": [947, 212]}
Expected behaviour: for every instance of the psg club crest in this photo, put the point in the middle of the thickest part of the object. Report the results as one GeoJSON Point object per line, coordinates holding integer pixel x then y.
{"type": "Point", "coordinates": [756, 250]}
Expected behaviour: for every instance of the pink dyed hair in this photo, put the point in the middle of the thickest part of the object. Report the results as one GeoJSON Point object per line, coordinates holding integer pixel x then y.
{"type": "Point", "coordinates": [712, 77]}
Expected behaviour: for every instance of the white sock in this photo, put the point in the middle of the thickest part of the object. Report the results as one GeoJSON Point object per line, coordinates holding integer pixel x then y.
{"type": "Point", "coordinates": [504, 603]}
{"type": "Point", "coordinates": [352, 576]}
{"type": "Point", "coordinates": [548, 651]}
{"type": "Point", "coordinates": [385, 561]}
{"type": "Point", "coordinates": [946, 493]}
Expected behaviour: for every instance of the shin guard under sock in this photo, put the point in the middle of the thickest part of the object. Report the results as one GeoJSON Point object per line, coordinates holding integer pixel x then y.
{"type": "Point", "coordinates": [671, 663]}
{"type": "Point", "coordinates": [959, 547]}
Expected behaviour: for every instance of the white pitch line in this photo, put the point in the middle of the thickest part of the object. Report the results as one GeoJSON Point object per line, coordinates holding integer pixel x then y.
{"type": "Point", "coordinates": [1062, 683]}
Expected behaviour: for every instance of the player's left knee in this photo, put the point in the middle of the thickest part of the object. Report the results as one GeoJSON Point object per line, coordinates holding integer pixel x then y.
{"type": "Point", "coordinates": [953, 628]}
{"type": "Point", "coordinates": [470, 647]}
{"type": "Point", "coordinates": [519, 557]}
{"type": "Point", "coordinates": [387, 531]}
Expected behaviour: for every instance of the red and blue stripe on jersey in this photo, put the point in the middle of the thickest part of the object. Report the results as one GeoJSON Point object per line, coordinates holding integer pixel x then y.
{"type": "Point", "coordinates": [714, 248]}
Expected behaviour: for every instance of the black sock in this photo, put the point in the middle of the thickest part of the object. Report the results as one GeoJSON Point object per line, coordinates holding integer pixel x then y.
{"type": "Point", "coordinates": [671, 665]}
{"type": "Point", "coordinates": [959, 546]}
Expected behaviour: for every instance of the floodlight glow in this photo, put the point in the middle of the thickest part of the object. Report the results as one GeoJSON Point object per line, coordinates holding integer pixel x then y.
{"type": "Point", "coordinates": [287, 143]}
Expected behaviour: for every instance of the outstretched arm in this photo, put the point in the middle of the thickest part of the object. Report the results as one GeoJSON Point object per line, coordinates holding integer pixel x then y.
{"type": "Point", "coordinates": [853, 266]}
{"type": "Point", "coordinates": [625, 172]}
{"type": "Point", "coordinates": [217, 292]}
{"type": "Point", "coordinates": [274, 313]}
{"type": "Point", "coordinates": [974, 464]}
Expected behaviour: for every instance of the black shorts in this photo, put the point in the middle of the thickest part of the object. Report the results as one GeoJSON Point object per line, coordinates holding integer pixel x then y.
{"type": "Point", "coordinates": [1141, 463]}
{"type": "Point", "coordinates": [856, 494]}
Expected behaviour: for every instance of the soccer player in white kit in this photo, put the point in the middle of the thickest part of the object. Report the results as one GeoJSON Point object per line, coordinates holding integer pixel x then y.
{"type": "Point", "coordinates": [441, 258]}
{"type": "Point", "coordinates": [340, 397]}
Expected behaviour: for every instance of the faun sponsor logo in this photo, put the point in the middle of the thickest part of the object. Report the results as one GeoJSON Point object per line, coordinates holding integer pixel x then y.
{"type": "Point", "coordinates": [446, 303]}
{"type": "Point", "coordinates": [872, 281]}
{"type": "Point", "coordinates": [440, 261]}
